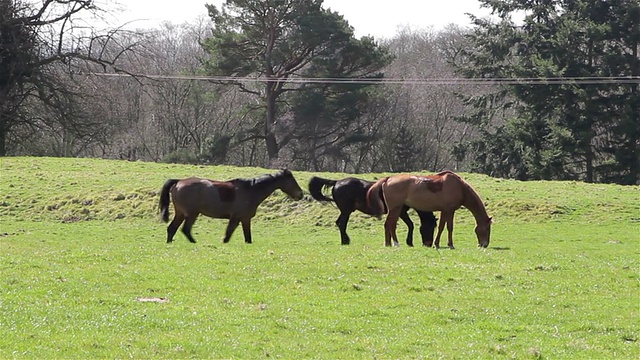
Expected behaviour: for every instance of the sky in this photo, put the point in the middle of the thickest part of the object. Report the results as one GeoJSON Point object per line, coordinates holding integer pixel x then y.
{"type": "Point", "coordinates": [378, 18]}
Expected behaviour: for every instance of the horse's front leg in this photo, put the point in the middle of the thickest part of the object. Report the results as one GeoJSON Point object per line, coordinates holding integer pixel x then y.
{"type": "Point", "coordinates": [444, 218]}
{"type": "Point", "coordinates": [246, 230]}
{"type": "Point", "coordinates": [450, 231]}
{"type": "Point", "coordinates": [390, 226]}
{"type": "Point", "coordinates": [231, 227]}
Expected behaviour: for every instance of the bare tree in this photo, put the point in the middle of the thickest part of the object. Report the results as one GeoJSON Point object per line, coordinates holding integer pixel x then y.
{"type": "Point", "coordinates": [429, 111]}
{"type": "Point", "coordinates": [40, 45]}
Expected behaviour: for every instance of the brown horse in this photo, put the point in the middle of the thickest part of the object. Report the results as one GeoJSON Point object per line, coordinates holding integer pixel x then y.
{"type": "Point", "coordinates": [236, 200]}
{"type": "Point", "coordinates": [445, 192]}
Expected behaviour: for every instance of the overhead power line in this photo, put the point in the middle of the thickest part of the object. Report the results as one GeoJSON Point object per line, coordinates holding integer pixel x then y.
{"type": "Point", "coordinates": [585, 80]}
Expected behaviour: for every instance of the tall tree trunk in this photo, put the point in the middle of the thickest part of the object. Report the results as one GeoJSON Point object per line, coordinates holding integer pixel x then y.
{"type": "Point", "coordinates": [4, 129]}
{"type": "Point", "coordinates": [634, 166]}
{"type": "Point", "coordinates": [269, 133]}
{"type": "Point", "coordinates": [589, 164]}
{"type": "Point", "coordinates": [3, 141]}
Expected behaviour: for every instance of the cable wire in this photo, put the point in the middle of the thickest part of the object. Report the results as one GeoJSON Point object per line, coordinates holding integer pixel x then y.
{"type": "Point", "coordinates": [584, 80]}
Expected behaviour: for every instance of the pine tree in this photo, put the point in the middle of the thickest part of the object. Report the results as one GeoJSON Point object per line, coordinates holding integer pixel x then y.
{"type": "Point", "coordinates": [573, 129]}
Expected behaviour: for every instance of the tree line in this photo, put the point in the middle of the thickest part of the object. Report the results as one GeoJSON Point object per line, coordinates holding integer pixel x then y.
{"type": "Point", "coordinates": [286, 83]}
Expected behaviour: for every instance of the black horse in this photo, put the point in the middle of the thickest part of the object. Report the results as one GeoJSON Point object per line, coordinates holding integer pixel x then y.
{"type": "Point", "coordinates": [349, 194]}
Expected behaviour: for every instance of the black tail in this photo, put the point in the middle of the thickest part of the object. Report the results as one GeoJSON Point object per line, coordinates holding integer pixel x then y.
{"type": "Point", "coordinates": [164, 199]}
{"type": "Point", "coordinates": [315, 188]}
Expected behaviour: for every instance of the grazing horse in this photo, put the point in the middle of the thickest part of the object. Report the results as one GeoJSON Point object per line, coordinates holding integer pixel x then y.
{"type": "Point", "coordinates": [236, 200]}
{"type": "Point", "coordinates": [349, 194]}
{"type": "Point", "coordinates": [445, 192]}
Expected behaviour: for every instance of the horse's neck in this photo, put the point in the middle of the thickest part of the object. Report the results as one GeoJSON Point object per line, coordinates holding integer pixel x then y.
{"type": "Point", "coordinates": [473, 202]}
{"type": "Point", "coordinates": [264, 189]}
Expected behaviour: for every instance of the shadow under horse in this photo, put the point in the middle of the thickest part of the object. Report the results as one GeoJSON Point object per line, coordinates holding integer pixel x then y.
{"type": "Point", "coordinates": [445, 192]}
{"type": "Point", "coordinates": [236, 200]}
{"type": "Point", "coordinates": [349, 195]}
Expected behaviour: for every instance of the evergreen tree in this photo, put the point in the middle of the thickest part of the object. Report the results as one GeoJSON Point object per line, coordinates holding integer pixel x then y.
{"type": "Point", "coordinates": [580, 128]}
{"type": "Point", "coordinates": [280, 40]}
{"type": "Point", "coordinates": [405, 151]}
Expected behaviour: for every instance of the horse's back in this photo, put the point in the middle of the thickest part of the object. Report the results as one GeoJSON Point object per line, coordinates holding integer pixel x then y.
{"type": "Point", "coordinates": [209, 197]}
{"type": "Point", "coordinates": [350, 194]}
{"type": "Point", "coordinates": [351, 187]}
{"type": "Point", "coordinates": [438, 192]}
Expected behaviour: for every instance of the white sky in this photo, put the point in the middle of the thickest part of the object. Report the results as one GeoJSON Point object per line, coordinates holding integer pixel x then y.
{"type": "Point", "coordinates": [380, 18]}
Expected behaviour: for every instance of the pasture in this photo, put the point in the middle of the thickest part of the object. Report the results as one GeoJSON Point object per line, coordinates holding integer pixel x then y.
{"type": "Point", "coordinates": [85, 273]}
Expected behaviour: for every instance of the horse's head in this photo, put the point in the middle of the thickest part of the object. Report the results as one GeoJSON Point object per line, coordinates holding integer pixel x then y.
{"type": "Point", "coordinates": [483, 232]}
{"type": "Point", "coordinates": [289, 185]}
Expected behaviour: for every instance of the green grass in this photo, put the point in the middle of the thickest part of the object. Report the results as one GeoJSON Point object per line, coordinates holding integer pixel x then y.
{"type": "Point", "coordinates": [81, 242]}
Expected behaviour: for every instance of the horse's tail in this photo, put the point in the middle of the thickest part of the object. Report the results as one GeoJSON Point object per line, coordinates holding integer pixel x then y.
{"type": "Point", "coordinates": [316, 184]}
{"type": "Point", "coordinates": [375, 198]}
{"type": "Point", "coordinates": [164, 198]}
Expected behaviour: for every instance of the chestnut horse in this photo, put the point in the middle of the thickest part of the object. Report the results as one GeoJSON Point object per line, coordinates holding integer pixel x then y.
{"type": "Point", "coordinates": [350, 194]}
{"type": "Point", "coordinates": [445, 192]}
{"type": "Point", "coordinates": [236, 200]}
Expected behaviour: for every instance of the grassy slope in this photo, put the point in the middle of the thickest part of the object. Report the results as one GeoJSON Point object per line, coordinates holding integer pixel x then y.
{"type": "Point", "coordinates": [561, 279]}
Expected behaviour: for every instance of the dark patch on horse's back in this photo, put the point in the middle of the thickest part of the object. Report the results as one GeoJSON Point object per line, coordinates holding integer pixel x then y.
{"type": "Point", "coordinates": [434, 183]}
{"type": "Point", "coordinates": [226, 190]}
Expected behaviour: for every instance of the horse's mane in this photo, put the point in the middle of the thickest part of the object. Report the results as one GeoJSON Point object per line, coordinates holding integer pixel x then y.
{"type": "Point", "coordinates": [475, 197]}
{"type": "Point", "coordinates": [263, 179]}
{"type": "Point", "coordinates": [444, 172]}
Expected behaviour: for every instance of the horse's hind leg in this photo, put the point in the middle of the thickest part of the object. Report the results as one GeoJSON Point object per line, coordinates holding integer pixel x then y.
{"type": "Point", "coordinates": [186, 229]}
{"type": "Point", "coordinates": [173, 227]}
{"type": "Point", "coordinates": [404, 215]}
{"type": "Point", "coordinates": [390, 226]}
{"type": "Point", "coordinates": [342, 222]}
{"type": "Point", "coordinates": [231, 227]}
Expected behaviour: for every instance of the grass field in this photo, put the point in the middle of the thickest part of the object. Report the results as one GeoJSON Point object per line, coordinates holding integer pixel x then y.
{"type": "Point", "coordinates": [82, 247]}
